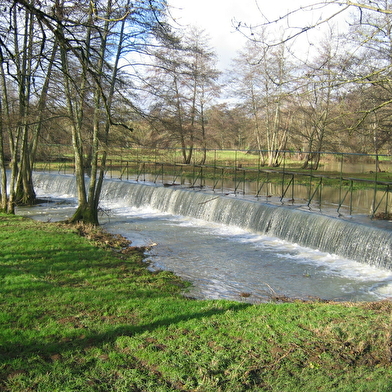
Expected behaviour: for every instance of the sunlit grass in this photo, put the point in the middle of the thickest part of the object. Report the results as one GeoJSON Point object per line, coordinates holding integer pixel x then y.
{"type": "Point", "coordinates": [82, 313]}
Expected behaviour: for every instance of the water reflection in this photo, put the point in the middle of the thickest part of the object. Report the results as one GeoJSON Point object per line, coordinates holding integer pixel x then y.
{"type": "Point", "coordinates": [336, 201]}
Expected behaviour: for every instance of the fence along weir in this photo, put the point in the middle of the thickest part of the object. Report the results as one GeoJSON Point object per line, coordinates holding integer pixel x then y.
{"type": "Point", "coordinates": [243, 173]}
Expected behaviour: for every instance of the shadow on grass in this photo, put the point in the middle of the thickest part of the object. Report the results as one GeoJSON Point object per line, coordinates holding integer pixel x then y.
{"type": "Point", "coordinates": [83, 338]}
{"type": "Point", "coordinates": [59, 303]}
{"type": "Point", "coordinates": [48, 265]}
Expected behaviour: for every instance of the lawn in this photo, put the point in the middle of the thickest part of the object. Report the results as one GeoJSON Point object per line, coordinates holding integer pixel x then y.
{"type": "Point", "coordinates": [80, 311]}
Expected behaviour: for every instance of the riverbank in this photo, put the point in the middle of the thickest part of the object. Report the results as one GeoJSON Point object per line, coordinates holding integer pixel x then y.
{"type": "Point", "coordinates": [80, 311]}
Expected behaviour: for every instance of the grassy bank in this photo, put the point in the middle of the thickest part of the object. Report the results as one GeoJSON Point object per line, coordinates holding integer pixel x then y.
{"type": "Point", "coordinates": [79, 311]}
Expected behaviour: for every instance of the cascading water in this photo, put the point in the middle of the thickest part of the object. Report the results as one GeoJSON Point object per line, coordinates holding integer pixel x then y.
{"type": "Point", "coordinates": [345, 238]}
{"type": "Point", "coordinates": [371, 246]}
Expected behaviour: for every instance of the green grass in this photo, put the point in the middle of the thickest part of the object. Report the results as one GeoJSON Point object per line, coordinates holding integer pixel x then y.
{"type": "Point", "coordinates": [82, 313]}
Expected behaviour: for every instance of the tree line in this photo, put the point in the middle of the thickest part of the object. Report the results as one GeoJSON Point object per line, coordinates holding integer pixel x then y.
{"type": "Point", "coordinates": [97, 74]}
{"type": "Point", "coordinates": [283, 91]}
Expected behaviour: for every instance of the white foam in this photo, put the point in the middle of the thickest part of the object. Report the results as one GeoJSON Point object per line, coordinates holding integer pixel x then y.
{"type": "Point", "coordinates": [330, 263]}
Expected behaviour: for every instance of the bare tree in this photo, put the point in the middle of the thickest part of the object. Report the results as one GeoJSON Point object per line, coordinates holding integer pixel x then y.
{"type": "Point", "coordinates": [366, 66]}
{"type": "Point", "coordinates": [262, 79]}
{"type": "Point", "coordinates": [99, 73]}
{"type": "Point", "coordinates": [228, 127]}
{"type": "Point", "coordinates": [25, 71]}
{"type": "Point", "coordinates": [3, 167]}
{"type": "Point", "coordinates": [318, 98]}
{"type": "Point", "coordinates": [372, 34]}
{"type": "Point", "coordinates": [184, 85]}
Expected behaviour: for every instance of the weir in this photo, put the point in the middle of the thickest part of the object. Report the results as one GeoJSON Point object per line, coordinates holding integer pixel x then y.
{"type": "Point", "coordinates": [356, 241]}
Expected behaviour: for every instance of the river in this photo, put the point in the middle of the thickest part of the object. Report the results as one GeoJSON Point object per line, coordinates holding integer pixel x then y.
{"type": "Point", "coordinates": [224, 261]}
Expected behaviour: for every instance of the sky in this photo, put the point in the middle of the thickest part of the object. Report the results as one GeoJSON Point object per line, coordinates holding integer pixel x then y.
{"type": "Point", "coordinates": [216, 17]}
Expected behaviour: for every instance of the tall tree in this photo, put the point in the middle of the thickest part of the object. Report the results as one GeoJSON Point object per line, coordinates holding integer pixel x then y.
{"type": "Point", "coordinates": [371, 33]}
{"type": "Point", "coordinates": [318, 98]}
{"type": "Point", "coordinates": [25, 72]}
{"type": "Point", "coordinates": [262, 78]}
{"type": "Point", "coordinates": [106, 27]}
{"type": "Point", "coordinates": [184, 85]}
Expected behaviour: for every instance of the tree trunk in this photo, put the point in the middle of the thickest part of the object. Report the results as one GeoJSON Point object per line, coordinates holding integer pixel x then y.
{"type": "Point", "coordinates": [3, 173]}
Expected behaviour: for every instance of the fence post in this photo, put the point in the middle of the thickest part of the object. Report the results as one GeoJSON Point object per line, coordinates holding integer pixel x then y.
{"type": "Point", "coordinates": [283, 175]}
{"type": "Point", "coordinates": [341, 176]}
{"type": "Point", "coordinates": [375, 188]}
{"type": "Point", "coordinates": [235, 172]}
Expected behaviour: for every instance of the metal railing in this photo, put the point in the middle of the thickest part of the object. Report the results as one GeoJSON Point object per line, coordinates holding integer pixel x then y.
{"type": "Point", "coordinates": [244, 173]}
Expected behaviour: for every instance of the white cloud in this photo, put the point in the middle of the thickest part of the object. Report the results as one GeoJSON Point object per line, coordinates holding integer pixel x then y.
{"type": "Point", "coordinates": [216, 17]}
